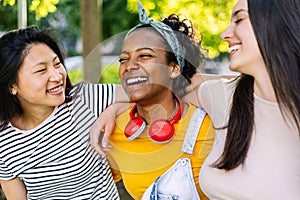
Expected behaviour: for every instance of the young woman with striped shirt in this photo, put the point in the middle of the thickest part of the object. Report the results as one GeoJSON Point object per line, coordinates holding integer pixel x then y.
{"type": "Point", "coordinates": [45, 151]}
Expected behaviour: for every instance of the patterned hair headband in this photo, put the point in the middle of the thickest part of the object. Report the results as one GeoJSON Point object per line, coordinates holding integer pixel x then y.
{"type": "Point", "coordinates": [165, 31]}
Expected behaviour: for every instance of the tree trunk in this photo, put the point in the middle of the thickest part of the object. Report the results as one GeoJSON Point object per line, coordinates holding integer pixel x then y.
{"type": "Point", "coordinates": [90, 25]}
{"type": "Point", "coordinates": [22, 13]}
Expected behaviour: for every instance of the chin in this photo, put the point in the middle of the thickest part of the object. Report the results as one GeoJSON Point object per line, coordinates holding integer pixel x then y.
{"type": "Point", "coordinates": [136, 94]}
{"type": "Point", "coordinates": [233, 67]}
{"type": "Point", "coordinates": [137, 97]}
{"type": "Point", "coordinates": [134, 99]}
{"type": "Point", "coordinates": [60, 101]}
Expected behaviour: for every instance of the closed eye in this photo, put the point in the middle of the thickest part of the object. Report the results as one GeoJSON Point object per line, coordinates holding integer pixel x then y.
{"type": "Point", "coordinates": [57, 65]}
{"type": "Point", "coordinates": [240, 15]}
{"type": "Point", "coordinates": [122, 60]}
{"type": "Point", "coordinates": [238, 20]}
{"type": "Point", "coordinates": [40, 70]}
{"type": "Point", "coordinates": [146, 56]}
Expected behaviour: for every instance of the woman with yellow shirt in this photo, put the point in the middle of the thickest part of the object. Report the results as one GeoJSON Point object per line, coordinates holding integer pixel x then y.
{"type": "Point", "coordinates": [159, 145]}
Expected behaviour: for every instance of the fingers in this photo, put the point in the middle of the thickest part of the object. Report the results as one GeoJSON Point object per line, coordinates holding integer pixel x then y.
{"type": "Point", "coordinates": [109, 127]}
{"type": "Point", "coordinates": [95, 134]}
{"type": "Point", "coordinates": [101, 130]}
{"type": "Point", "coordinates": [105, 143]}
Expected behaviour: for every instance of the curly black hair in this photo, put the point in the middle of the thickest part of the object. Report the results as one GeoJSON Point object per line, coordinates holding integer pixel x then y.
{"type": "Point", "coordinates": [191, 40]}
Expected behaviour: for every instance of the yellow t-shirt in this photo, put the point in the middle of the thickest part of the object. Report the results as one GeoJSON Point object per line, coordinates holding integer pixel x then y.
{"type": "Point", "coordinates": [140, 161]}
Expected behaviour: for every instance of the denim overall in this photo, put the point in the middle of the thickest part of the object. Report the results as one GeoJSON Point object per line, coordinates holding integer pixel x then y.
{"type": "Point", "coordinates": [178, 182]}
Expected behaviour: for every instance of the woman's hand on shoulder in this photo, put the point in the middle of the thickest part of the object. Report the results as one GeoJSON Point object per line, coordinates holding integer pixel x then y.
{"type": "Point", "coordinates": [101, 130]}
{"type": "Point", "coordinates": [103, 127]}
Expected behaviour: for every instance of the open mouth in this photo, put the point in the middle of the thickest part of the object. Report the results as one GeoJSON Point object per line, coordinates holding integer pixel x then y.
{"type": "Point", "coordinates": [55, 90]}
{"type": "Point", "coordinates": [234, 48]}
{"type": "Point", "coordinates": [136, 80]}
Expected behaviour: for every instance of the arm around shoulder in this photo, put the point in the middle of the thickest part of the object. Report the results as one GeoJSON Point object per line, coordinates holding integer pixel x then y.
{"type": "Point", "coordinates": [120, 93]}
{"type": "Point", "coordinates": [199, 78]}
{"type": "Point", "coordinates": [192, 94]}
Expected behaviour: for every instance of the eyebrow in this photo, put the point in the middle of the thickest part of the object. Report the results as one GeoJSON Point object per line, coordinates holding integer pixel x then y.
{"type": "Point", "coordinates": [140, 49]}
{"type": "Point", "coordinates": [238, 11]}
{"type": "Point", "coordinates": [56, 57]}
{"type": "Point", "coordinates": [42, 63]}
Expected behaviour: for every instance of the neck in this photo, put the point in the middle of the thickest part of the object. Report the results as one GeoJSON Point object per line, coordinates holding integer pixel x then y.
{"type": "Point", "coordinates": [166, 109]}
{"type": "Point", "coordinates": [264, 89]}
{"type": "Point", "coordinates": [31, 119]}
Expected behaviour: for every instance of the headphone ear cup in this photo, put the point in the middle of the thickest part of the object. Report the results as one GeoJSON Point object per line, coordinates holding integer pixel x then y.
{"type": "Point", "coordinates": [134, 127]}
{"type": "Point", "coordinates": [161, 131]}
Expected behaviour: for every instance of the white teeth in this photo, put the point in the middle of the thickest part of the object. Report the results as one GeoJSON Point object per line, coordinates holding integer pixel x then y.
{"type": "Point", "coordinates": [55, 89]}
{"type": "Point", "coordinates": [234, 48]}
{"type": "Point", "coordinates": [135, 80]}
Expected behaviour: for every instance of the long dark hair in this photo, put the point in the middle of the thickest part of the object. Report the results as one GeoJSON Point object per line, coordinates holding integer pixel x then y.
{"type": "Point", "coordinates": [13, 49]}
{"type": "Point", "coordinates": [275, 24]}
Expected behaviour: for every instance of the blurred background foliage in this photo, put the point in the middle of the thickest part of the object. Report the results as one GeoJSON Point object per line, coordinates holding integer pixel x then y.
{"type": "Point", "coordinates": [210, 17]}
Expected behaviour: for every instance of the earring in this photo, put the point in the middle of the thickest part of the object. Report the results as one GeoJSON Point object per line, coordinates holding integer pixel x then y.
{"type": "Point", "coordinates": [173, 75]}
{"type": "Point", "coordinates": [13, 92]}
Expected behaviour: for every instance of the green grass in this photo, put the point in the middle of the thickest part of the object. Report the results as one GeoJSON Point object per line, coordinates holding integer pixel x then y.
{"type": "Point", "coordinates": [76, 75]}
{"type": "Point", "coordinates": [109, 75]}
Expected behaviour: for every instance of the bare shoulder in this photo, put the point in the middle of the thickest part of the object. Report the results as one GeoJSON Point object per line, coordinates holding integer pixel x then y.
{"type": "Point", "coordinates": [213, 76]}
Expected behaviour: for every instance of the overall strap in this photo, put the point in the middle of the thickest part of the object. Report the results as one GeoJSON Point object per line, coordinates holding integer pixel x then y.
{"type": "Point", "coordinates": [192, 131]}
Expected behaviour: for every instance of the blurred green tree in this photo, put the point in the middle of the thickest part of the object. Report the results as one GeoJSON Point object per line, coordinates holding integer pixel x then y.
{"type": "Point", "coordinates": [64, 21]}
{"type": "Point", "coordinates": [40, 7]}
{"type": "Point", "coordinates": [209, 16]}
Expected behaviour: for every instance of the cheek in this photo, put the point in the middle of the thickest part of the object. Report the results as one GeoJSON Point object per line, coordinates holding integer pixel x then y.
{"type": "Point", "coordinates": [121, 75]}
{"type": "Point", "coordinates": [64, 75]}
{"type": "Point", "coordinates": [252, 45]}
{"type": "Point", "coordinates": [123, 68]}
{"type": "Point", "coordinates": [64, 72]}
{"type": "Point", "coordinates": [161, 75]}
{"type": "Point", "coordinates": [248, 34]}
{"type": "Point", "coordinates": [123, 81]}
{"type": "Point", "coordinates": [31, 86]}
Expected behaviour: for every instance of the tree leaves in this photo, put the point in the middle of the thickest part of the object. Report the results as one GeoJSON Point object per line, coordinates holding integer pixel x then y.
{"type": "Point", "coordinates": [210, 17]}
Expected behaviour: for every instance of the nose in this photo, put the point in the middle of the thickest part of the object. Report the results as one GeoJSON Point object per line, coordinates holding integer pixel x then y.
{"type": "Point", "coordinates": [227, 33]}
{"type": "Point", "coordinates": [55, 74]}
{"type": "Point", "coordinates": [132, 64]}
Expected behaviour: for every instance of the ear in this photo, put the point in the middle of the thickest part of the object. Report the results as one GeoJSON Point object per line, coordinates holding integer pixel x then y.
{"type": "Point", "coordinates": [174, 70]}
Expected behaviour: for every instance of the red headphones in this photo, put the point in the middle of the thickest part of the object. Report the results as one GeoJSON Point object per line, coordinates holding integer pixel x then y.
{"type": "Point", "coordinates": [161, 131]}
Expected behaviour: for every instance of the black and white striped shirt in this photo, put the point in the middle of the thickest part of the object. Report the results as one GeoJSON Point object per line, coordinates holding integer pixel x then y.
{"type": "Point", "coordinates": [55, 160]}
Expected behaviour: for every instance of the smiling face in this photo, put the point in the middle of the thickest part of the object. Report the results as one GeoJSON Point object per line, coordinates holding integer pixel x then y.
{"type": "Point", "coordinates": [245, 56]}
{"type": "Point", "coordinates": [144, 71]}
{"type": "Point", "coordinates": [41, 79]}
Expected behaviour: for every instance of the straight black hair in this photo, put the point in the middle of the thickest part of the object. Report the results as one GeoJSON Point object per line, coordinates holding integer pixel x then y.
{"type": "Point", "coordinates": [276, 26]}
{"type": "Point", "coordinates": [14, 47]}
